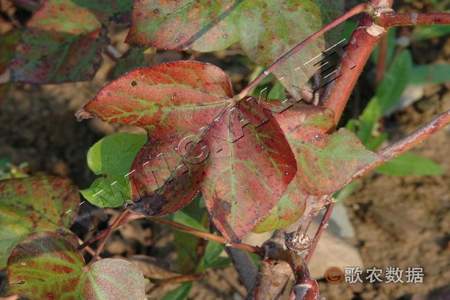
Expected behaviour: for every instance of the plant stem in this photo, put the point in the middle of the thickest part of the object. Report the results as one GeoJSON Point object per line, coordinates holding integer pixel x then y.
{"type": "Point", "coordinates": [381, 61]}
{"type": "Point", "coordinates": [322, 226]}
{"type": "Point", "coordinates": [122, 218]}
{"type": "Point", "coordinates": [354, 11]}
{"type": "Point", "coordinates": [352, 64]}
{"type": "Point", "coordinates": [209, 236]}
{"type": "Point", "coordinates": [400, 147]}
{"type": "Point", "coordinates": [412, 19]}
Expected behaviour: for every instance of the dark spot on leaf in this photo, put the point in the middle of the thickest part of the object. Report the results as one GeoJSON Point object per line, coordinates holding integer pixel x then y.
{"type": "Point", "coordinates": [133, 83]}
{"type": "Point", "coordinates": [156, 11]}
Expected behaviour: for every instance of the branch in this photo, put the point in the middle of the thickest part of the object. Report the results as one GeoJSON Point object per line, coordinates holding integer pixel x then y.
{"type": "Point", "coordinates": [322, 226]}
{"type": "Point", "coordinates": [209, 236]}
{"type": "Point", "coordinates": [381, 61]}
{"type": "Point", "coordinates": [354, 11]}
{"type": "Point", "coordinates": [412, 19]}
{"type": "Point", "coordinates": [358, 51]}
{"type": "Point", "coordinates": [407, 143]}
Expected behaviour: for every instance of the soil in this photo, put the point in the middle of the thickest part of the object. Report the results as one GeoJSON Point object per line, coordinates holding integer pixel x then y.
{"type": "Point", "coordinates": [399, 221]}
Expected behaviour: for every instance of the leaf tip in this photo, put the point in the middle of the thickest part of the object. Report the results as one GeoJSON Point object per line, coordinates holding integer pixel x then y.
{"type": "Point", "coordinates": [82, 114]}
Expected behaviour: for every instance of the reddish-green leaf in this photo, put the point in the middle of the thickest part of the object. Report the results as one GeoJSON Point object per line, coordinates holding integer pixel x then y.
{"type": "Point", "coordinates": [173, 101]}
{"type": "Point", "coordinates": [162, 181]}
{"type": "Point", "coordinates": [62, 43]}
{"type": "Point", "coordinates": [288, 210]}
{"type": "Point", "coordinates": [34, 204]}
{"type": "Point", "coordinates": [249, 168]}
{"type": "Point", "coordinates": [167, 99]}
{"type": "Point", "coordinates": [47, 266]}
{"type": "Point", "coordinates": [265, 29]}
{"type": "Point", "coordinates": [326, 162]}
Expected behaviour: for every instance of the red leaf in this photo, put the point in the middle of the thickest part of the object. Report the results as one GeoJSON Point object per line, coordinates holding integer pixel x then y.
{"type": "Point", "coordinates": [176, 97]}
{"type": "Point", "coordinates": [249, 168]}
{"type": "Point", "coordinates": [174, 102]}
{"type": "Point", "coordinates": [163, 181]}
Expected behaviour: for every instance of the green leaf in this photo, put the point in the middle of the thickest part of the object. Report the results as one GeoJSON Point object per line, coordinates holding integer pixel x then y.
{"type": "Point", "coordinates": [47, 266]}
{"type": "Point", "coordinates": [133, 59]}
{"type": "Point", "coordinates": [277, 92]}
{"type": "Point", "coordinates": [34, 204]}
{"type": "Point", "coordinates": [111, 157]}
{"type": "Point", "coordinates": [185, 219]}
{"type": "Point", "coordinates": [179, 293]}
{"type": "Point", "coordinates": [108, 192]}
{"type": "Point", "coordinates": [211, 258]}
{"type": "Point", "coordinates": [391, 36]}
{"type": "Point", "coordinates": [8, 43]}
{"type": "Point", "coordinates": [106, 8]}
{"type": "Point", "coordinates": [264, 28]}
{"type": "Point", "coordinates": [410, 164]}
{"type": "Point", "coordinates": [62, 43]}
{"type": "Point", "coordinates": [430, 31]}
{"type": "Point", "coordinates": [192, 215]}
{"type": "Point", "coordinates": [387, 95]}
{"type": "Point", "coordinates": [435, 73]}
{"type": "Point", "coordinates": [186, 248]}
{"type": "Point", "coordinates": [114, 154]}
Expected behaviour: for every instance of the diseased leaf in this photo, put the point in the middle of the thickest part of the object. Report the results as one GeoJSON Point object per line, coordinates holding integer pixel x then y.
{"type": "Point", "coordinates": [265, 29]}
{"type": "Point", "coordinates": [34, 204]}
{"type": "Point", "coordinates": [288, 210]}
{"type": "Point", "coordinates": [325, 162]}
{"type": "Point", "coordinates": [410, 164]}
{"type": "Point", "coordinates": [111, 157]}
{"type": "Point", "coordinates": [62, 43]}
{"type": "Point", "coordinates": [113, 278]}
{"type": "Point", "coordinates": [162, 181]}
{"type": "Point", "coordinates": [47, 266]}
{"type": "Point", "coordinates": [170, 98]}
{"type": "Point", "coordinates": [173, 101]}
{"type": "Point", "coordinates": [250, 167]}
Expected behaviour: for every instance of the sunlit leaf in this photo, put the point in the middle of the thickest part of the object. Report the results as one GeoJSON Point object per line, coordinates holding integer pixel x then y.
{"type": "Point", "coordinates": [62, 43]}
{"type": "Point", "coordinates": [48, 266]}
{"type": "Point", "coordinates": [114, 154]}
{"type": "Point", "coordinates": [433, 73]}
{"type": "Point", "coordinates": [265, 29]}
{"type": "Point", "coordinates": [410, 164]}
{"type": "Point", "coordinates": [249, 168]}
{"type": "Point", "coordinates": [111, 158]}
{"type": "Point", "coordinates": [34, 204]}
{"type": "Point", "coordinates": [173, 101]}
